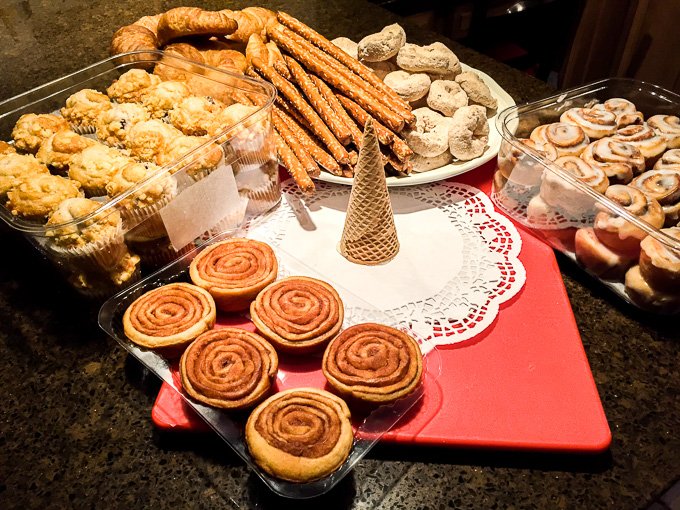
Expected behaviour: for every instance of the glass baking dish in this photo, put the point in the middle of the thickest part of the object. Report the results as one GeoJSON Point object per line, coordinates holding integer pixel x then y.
{"type": "Point", "coordinates": [294, 371]}
{"type": "Point", "coordinates": [241, 186]}
{"type": "Point", "coordinates": [522, 173]}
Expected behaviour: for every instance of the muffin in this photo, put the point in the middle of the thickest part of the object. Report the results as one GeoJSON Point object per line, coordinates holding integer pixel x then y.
{"type": "Point", "coordinates": [142, 205]}
{"type": "Point", "coordinates": [95, 166]}
{"type": "Point", "coordinates": [230, 116]}
{"type": "Point", "coordinates": [31, 130]}
{"type": "Point", "coordinates": [15, 168]}
{"type": "Point", "coordinates": [83, 108]}
{"type": "Point", "coordinates": [6, 148]}
{"type": "Point", "coordinates": [155, 251]}
{"type": "Point", "coordinates": [36, 198]}
{"type": "Point", "coordinates": [126, 272]}
{"type": "Point", "coordinates": [195, 115]}
{"type": "Point", "coordinates": [161, 98]}
{"type": "Point", "coordinates": [97, 241]}
{"type": "Point", "coordinates": [57, 151]}
{"type": "Point", "coordinates": [130, 86]}
{"type": "Point", "coordinates": [146, 140]}
{"type": "Point", "coordinates": [113, 125]}
{"type": "Point", "coordinates": [199, 164]}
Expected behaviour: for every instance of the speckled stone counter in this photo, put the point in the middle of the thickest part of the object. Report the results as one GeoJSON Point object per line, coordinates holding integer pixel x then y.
{"type": "Point", "coordinates": [75, 429]}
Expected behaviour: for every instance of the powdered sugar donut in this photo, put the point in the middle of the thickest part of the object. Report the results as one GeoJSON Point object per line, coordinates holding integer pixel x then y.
{"type": "Point", "coordinates": [429, 136]}
{"type": "Point", "coordinates": [424, 164]}
{"type": "Point", "coordinates": [446, 96]}
{"type": "Point", "coordinates": [435, 58]}
{"type": "Point", "coordinates": [410, 87]}
{"type": "Point", "coordinates": [382, 69]}
{"type": "Point", "coordinates": [383, 45]}
{"type": "Point", "coordinates": [347, 45]}
{"type": "Point", "coordinates": [469, 132]}
{"type": "Point", "coordinates": [477, 91]}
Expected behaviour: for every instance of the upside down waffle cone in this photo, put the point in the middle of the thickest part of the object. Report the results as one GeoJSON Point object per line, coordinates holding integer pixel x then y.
{"type": "Point", "coordinates": [369, 236]}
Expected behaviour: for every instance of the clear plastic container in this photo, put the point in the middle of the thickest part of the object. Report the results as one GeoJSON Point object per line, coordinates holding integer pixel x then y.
{"type": "Point", "coordinates": [193, 201]}
{"type": "Point", "coordinates": [294, 371]}
{"type": "Point", "coordinates": [523, 175]}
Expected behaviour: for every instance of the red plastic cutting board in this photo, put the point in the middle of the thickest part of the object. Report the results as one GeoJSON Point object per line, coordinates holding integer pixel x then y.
{"type": "Point", "coordinates": [523, 383]}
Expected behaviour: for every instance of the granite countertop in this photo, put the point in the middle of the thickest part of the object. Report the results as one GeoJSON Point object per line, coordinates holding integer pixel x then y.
{"type": "Point", "coordinates": [75, 428]}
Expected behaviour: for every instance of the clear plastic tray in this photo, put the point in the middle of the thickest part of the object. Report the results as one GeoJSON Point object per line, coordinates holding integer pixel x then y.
{"type": "Point", "coordinates": [523, 169]}
{"type": "Point", "coordinates": [293, 371]}
{"type": "Point", "coordinates": [244, 184]}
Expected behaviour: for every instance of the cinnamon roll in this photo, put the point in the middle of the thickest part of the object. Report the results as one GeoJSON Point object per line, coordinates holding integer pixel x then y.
{"type": "Point", "coordinates": [171, 315]}
{"type": "Point", "coordinates": [558, 192]}
{"type": "Point", "coordinates": [595, 123]}
{"type": "Point", "coordinates": [644, 138]}
{"type": "Point", "coordinates": [619, 233]}
{"type": "Point", "coordinates": [660, 261]}
{"type": "Point", "coordinates": [664, 187]}
{"type": "Point", "coordinates": [625, 111]}
{"type": "Point", "coordinates": [234, 271]}
{"type": "Point", "coordinates": [298, 314]}
{"type": "Point", "coordinates": [568, 139]}
{"type": "Point", "coordinates": [599, 258]}
{"type": "Point", "coordinates": [670, 160]}
{"type": "Point", "coordinates": [668, 126]}
{"type": "Point", "coordinates": [640, 292]}
{"type": "Point", "coordinates": [521, 168]}
{"type": "Point", "coordinates": [373, 363]}
{"type": "Point", "coordinates": [229, 368]}
{"type": "Point", "coordinates": [300, 434]}
{"type": "Point", "coordinates": [619, 160]}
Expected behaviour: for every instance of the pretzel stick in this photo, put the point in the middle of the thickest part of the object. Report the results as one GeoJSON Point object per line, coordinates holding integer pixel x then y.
{"type": "Point", "coordinates": [385, 136]}
{"type": "Point", "coordinates": [285, 105]}
{"type": "Point", "coordinates": [282, 68]}
{"type": "Point", "coordinates": [390, 96]}
{"type": "Point", "coordinates": [315, 150]}
{"type": "Point", "coordinates": [335, 74]}
{"type": "Point", "coordinates": [403, 167]}
{"type": "Point", "coordinates": [299, 149]}
{"type": "Point", "coordinates": [293, 165]}
{"type": "Point", "coordinates": [329, 96]}
{"type": "Point", "coordinates": [319, 128]}
{"type": "Point", "coordinates": [302, 80]}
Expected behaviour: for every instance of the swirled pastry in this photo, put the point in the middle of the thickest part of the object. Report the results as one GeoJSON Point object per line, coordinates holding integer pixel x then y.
{"type": "Point", "coordinates": [619, 233]}
{"type": "Point", "coordinates": [619, 160]}
{"type": "Point", "coordinates": [670, 160]}
{"type": "Point", "coordinates": [668, 126]}
{"type": "Point", "coordinates": [518, 167]}
{"type": "Point", "coordinates": [373, 363]}
{"type": "Point", "coordinates": [568, 139]}
{"type": "Point", "coordinates": [229, 368]}
{"type": "Point", "coordinates": [599, 258]}
{"type": "Point", "coordinates": [234, 271]}
{"type": "Point", "coordinates": [644, 138]}
{"type": "Point", "coordinates": [171, 315]}
{"type": "Point", "coordinates": [625, 111]}
{"type": "Point", "coordinates": [663, 186]}
{"type": "Point", "coordinates": [640, 292]}
{"type": "Point", "coordinates": [558, 192]}
{"type": "Point", "coordinates": [595, 123]}
{"type": "Point", "coordinates": [660, 262]}
{"type": "Point", "coordinates": [300, 435]}
{"type": "Point", "coordinates": [298, 314]}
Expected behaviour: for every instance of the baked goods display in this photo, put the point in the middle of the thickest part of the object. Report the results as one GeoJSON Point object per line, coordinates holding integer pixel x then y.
{"type": "Point", "coordinates": [373, 363]}
{"type": "Point", "coordinates": [300, 434]}
{"type": "Point", "coordinates": [611, 148]}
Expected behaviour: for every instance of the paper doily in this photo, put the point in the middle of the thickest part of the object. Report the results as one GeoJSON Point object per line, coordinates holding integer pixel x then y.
{"type": "Point", "coordinates": [457, 263]}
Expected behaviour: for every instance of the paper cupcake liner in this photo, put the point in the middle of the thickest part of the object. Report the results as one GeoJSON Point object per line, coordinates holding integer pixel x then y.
{"type": "Point", "coordinates": [263, 198]}
{"type": "Point", "coordinates": [98, 286]}
{"type": "Point", "coordinates": [83, 130]}
{"type": "Point", "coordinates": [156, 253]}
{"type": "Point", "coordinates": [147, 219]}
{"type": "Point", "coordinates": [103, 254]}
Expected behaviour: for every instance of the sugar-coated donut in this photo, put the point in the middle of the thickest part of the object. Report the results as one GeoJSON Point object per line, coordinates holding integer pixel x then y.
{"type": "Point", "coordinates": [424, 164]}
{"type": "Point", "coordinates": [434, 58]}
{"type": "Point", "coordinates": [429, 136]}
{"type": "Point", "coordinates": [446, 96]}
{"type": "Point", "coordinates": [468, 132]}
{"type": "Point", "coordinates": [477, 91]}
{"type": "Point", "coordinates": [383, 45]}
{"type": "Point", "coordinates": [408, 86]}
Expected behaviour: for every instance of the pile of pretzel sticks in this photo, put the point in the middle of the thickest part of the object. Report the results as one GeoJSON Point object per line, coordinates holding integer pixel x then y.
{"type": "Point", "coordinates": [325, 99]}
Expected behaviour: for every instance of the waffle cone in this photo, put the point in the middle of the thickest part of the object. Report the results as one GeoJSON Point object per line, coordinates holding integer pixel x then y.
{"type": "Point", "coordinates": [369, 236]}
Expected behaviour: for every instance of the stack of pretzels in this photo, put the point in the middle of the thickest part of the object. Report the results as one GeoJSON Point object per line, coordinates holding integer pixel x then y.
{"type": "Point", "coordinates": [325, 97]}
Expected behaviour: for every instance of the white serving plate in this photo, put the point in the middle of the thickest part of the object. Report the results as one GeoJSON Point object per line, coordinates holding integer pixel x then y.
{"type": "Point", "coordinates": [457, 167]}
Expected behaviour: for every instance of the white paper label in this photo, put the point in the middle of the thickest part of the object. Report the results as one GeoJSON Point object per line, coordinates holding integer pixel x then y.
{"type": "Point", "coordinates": [200, 207]}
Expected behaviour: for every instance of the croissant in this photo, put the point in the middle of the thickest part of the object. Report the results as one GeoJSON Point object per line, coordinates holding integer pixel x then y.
{"type": "Point", "coordinates": [248, 24]}
{"type": "Point", "coordinates": [266, 16]}
{"type": "Point", "coordinates": [132, 38]}
{"type": "Point", "coordinates": [256, 48]}
{"type": "Point", "coordinates": [183, 50]}
{"type": "Point", "coordinates": [186, 21]}
{"type": "Point", "coordinates": [149, 22]}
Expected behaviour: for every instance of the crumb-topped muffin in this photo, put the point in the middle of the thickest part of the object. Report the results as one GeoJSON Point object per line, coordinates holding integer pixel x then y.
{"type": "Point", "coordinates": [199, 164]}
{"type": "Point", "coordinates": [97, 240]}
{"type": "Point", "coordinates": [6, 148]}
{"type": "Point", "coordinates": [57, 151]}
{"type": "Point", "coordinates": [195, 115]}
{"type": "Point", "coordinates": [230, 116]}
{"type": "Point", "coordinates": [95, 166]}
{"type": "Point", "coordinates": [15, 168]}
{"type": "Point", "coordinates": [113, 125]}
{"type": "Point", "coordinates": [159, 190]}
{"type": "Point", "coordinates": [159, 99]}
{"type": "Point", "coordinates": [31, 130]}
{"type": "Point", "coordinates": [83, 108]}
{"type": "Point", "coordinates": [37, 197]}
{"type": "Point", "coordinates": [148, 139]}
{"type": "Point", "coordinates": [130, 86]}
